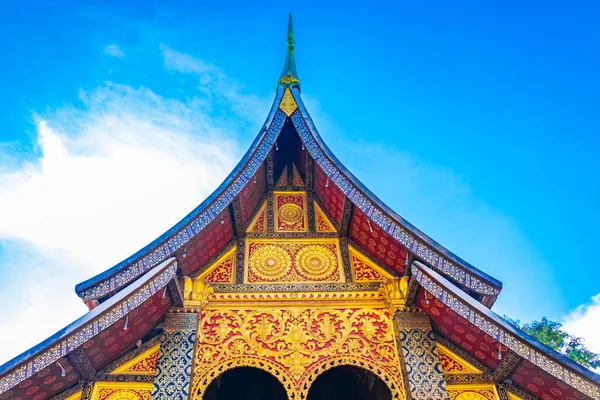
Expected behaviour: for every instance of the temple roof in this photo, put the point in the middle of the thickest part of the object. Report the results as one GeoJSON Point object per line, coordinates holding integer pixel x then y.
{"type": "Point", "coordinates": [289, 148]}
{"type": "Point", "coordinates": [248, 181]}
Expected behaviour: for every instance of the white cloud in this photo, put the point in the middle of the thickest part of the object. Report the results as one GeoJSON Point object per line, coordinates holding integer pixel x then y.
{"type": "Point", "coordinates": [584, 322]}
{"type": "Point", "coordinates": [109, 177]}
{"type": "Point", "coordinates": [114, 51]}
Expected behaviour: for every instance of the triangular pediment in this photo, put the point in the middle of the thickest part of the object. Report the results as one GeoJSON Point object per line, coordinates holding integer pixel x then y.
{"type": "Point", "coordinates": [452, 363]}
{"type": "Point", "coordinates": [222, 270]}
{"type": "Point", "coordinates": [365, 270]}
{"type": "Point", "coordinates": [143, 364]}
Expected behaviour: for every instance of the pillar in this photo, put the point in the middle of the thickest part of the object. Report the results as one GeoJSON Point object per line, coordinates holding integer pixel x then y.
{"type": "Point", "coordinates": [176, 356]}
{"type": "Point", "coordinates": [419, 359]}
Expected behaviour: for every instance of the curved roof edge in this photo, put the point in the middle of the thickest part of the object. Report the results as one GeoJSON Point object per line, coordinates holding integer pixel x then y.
{"type": "Point", "coordinates": [85, 328]}
{"type": "Point", "coordinates": [543, 357]}
{"type": "Point", "coordinates": [389, 221]}
{"type": "Point", "coordinates": [165, 245]}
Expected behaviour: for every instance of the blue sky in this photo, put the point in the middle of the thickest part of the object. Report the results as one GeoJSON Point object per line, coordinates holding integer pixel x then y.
{"type": "Point", "coordinates": [478, 122]}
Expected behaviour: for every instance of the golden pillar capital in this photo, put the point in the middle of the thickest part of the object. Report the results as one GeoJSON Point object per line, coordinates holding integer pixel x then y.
{"type": "Point", "coordinates": [196, 292]}
{"type": "Point", "coordinates": [394, 292]}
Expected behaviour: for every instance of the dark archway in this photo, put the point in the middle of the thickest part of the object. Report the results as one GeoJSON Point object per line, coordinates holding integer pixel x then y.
{"type": "Point", "coordinates": [349, 383]}
{"type": "Point", "coordinates": [245, 383]}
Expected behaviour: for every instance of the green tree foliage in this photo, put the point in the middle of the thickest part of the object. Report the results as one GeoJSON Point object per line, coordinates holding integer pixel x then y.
{"type": "Point", "coordinates": [551, 334]}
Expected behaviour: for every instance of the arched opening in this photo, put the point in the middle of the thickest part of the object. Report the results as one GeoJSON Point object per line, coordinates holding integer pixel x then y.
{"type": "Point", "coordinates": [348, 382]}
{"type": "Point", "coordinates": [245, 383]}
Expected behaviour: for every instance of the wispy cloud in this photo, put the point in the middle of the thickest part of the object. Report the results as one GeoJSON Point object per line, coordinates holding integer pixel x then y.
{"type": "Point", "coordinates": [584, 322]}
{"type": "Point", "coordinates": [109, 176]}
{"type": "Point", "coordinates": [114, 51]}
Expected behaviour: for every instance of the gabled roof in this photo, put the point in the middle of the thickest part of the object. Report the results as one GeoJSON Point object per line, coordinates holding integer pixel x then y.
{"type": "Point", "coordinates": [288, 108]}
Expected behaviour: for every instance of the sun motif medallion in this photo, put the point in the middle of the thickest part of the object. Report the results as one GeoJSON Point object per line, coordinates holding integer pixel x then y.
{"type": "Point", "coordinates": [290, 213]}
{"type": "Point", "coordinates": [315, 262]}
{"type": "Point", "coordinates": [270, 262]}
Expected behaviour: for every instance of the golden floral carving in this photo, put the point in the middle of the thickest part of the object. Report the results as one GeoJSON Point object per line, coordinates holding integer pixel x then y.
{"type": "Point", "coordinates": [296, 344]}
{"type": "Point", "coordinates": [221, 271]}
{"type": "Point", "coordinates": [394, 290]}
{"type": "Point", "coordinates": [290, 211]}
{"type": "Point", "coordinates": [196, 292]}
{"type": "Point", "coordinates": [293, 260]}
{"type": "Point", "coordinates": [143, 364]}
{"type": "Point", "coordinates": [322, 223]}
{"type": "Point", "coordinates": [288, 104]}
{"type": "Point", "coordinates": [121, 391]}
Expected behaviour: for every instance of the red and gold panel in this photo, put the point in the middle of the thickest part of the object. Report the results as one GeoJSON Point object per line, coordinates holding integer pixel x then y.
{"type": "Point", "coordinates": [251, 195]}
{"type": "Point", "coordinates": [259, 223]}
{"type": "Point", "coordinates": [121, 391]}
{"type": "Point", "coordinates": [296, 178]}
{"type": "Point", "coordinates": [473, 392]}
{"type": "Point", "coordinates": [296, 344]}
{"type": "Point", "coordinates": [222, 271]}
{"type": "Point", "coordinates": [322, 223]}
{"type": "Point", "coordinates": [144, 364]}
{"type": "Point", "coordinates": [330, 195]}
{"type": "Point", "coordinates": [119, 338]}
{"type": "Point", "coordinates": [454, 364]}
{"type": "Point", "coordinates": [377, 243]}
{"type": "Point", "coordinates": [292, 260]}
{"type": "Point", "coordinates": [460, 331]}
{"type": "Point", "coordinates": [539, 383]}
{"type": "Point", "coordinates": [290, 211]}
{"type": "Point", "coordinates": [205, 244]}
{"type": "Point", "coordinates": [364, 270]}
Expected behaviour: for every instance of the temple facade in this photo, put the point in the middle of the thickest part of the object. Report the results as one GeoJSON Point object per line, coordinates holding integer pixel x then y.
{"type": "Point", "coordinates": [292, 281]}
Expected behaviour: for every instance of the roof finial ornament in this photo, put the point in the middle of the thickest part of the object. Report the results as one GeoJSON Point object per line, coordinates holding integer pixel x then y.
{"type": "Point", "coordinates": [289, 76]}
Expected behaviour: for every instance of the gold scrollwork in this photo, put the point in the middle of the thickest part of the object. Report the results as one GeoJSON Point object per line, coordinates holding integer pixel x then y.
{"type": "Point", "coordinates": [296, 345]}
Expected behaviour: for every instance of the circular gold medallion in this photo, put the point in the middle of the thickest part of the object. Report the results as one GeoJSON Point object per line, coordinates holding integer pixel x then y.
{"type": "Point", "coordinates": [270, 262]}
{"type": "Point", "coordinates": [290, 213]}
{"type": "Point", "coordinates": [315, 262]}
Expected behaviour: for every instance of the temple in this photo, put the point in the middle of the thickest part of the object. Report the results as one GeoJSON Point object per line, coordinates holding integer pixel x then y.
{"type": "Point", "coordinates": [292, 281]}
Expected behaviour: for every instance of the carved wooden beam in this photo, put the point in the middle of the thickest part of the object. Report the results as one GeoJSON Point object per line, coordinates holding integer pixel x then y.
{"type": "Point", "coordinates": [509, 362]}
{"type": "Point", "coordinates": [411, 293]}
{"type": "Point", "coordinates": [82, 364]}
{"type": "Point", "coordinates": [175, 292]}
{"type": "Point", "coordinates": [468, 378]}
{"type": "Point", "coordinates": [126, 378]}
{"type": "Point", "coordinates": [310, 168]}
{"type": "Point", "coordinates": [507, 387]}
{"type": "Point", "coordinates": [346, 217]}
{"type": "Point", "coordinates": [239, 230]}
{"type": "Point", "coordinates": [269, 171]}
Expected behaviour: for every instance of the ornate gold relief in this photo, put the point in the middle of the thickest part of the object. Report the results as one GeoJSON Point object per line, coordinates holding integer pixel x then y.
{"type": "Point", "coordinates": [259, 223]}
{"type": "Point", "coordinates": [296, 345]}
{"type": "Point", "coordinates": [485, 391]}
{"type": "Point", "coordinates": [282, 182]}
{"type": "Point", "coordinates": [196, 292]}
{"type": "Point", "coordinates": [121, 391]}
{"type": "Point", "coordinates": [322, 223]}
{"type": "Point", "coordinates": [222, 270]}
{"type": "Point", "coordinates": [394, 290]}
{"type": "Point", "coordinates": [288, 104]}
{"type": "Point", "coordinates": [454, 364]}
{"type": "Point", "coordinates": [144, 364]}
{"type": "Point", "coordinates": [296, 178]}
{"type": "Point", "coordinates": [364, 270]}
{"type": "Point", "coordinates": [290, 211]}
{"type": "Point", "coordinates": [513, 396]}
{"type": "Point", "coordinates": [292, 260]}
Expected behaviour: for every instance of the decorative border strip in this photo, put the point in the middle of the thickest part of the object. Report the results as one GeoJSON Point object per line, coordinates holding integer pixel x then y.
{"type": "Point", "coordinates": [103, 319]}
{"type": "Point", "coordinates": [442, 290]}
{"type": "Point", "coordinates": [180, 238]}
{"type": "Point", "coordinates": [295, 287]}
{"type": "Point", "coordinates": [403, 235]}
